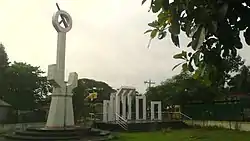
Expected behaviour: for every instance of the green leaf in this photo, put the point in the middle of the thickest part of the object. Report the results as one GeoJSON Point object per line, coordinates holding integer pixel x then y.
{"type": "Point", "coordinates": [153, 24]}
{"type": "Point", "coordinates": [198, 38]}
{"type": "Point", "coordinates": [177, 66]}
{"type": "Point", "coordinates": [148, 31]}
{"type": "Point", "coordinates": [196, 74]}
{"type": "Point", "coordinates": [190, 67]}
{"type": "Point", "coordinates": [196, 57]}
{"type": "Point", "coordinates": [162, 18]}
{"type": "Point", "coordinates": [143, 2]}
{"type": "Point", "coordinates": [175, 25]}
{"type": "Point", "coordinates": [165, 4]}
{"type": "Point", "coordinates": [175, 40]}
{"type": "Point", "coordinates": [153, 33]}
{"type": "Point", "coordinates": [185, 67]}
{"type": "Point", "coordinates": [156, 6]}
{"type": "Point", "coordinates": [174, 29]}
{"type": "Point", "coordinates": [182, 55]}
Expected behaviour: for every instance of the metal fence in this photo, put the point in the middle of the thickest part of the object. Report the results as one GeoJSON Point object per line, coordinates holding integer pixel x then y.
{"type": "Point", "coordinates": [165, 116]}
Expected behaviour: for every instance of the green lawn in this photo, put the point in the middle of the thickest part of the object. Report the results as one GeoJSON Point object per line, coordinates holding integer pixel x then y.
{"type": "Point", "coordinates": [187, 135]}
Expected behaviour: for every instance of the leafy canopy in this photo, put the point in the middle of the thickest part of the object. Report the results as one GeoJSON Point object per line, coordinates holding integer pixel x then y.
{"type": "Point", "coordinates": [214, 27]}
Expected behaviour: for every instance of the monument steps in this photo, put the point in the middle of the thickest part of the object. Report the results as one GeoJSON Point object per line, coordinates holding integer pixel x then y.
{"type": "Point", "coordinates": [40, 134]}
{"type": "Point", "coordinates": [42, 138]}
{"type": "Point", "coordinates": [49, 134]}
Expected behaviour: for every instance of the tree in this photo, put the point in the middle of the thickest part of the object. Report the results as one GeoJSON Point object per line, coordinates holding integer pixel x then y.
{"type": "Point", "coordinates": [182, 89]}
{"type": "Point", "coordinates": [26, 86]}
{"type": "Point", "coordinates": [4, 60]}
{"type": "Point", "coordinates": [86, 86]}
{"type": "Point", "coordinates": [214, 27]}
{"type": "Point", "coordinates": [3, 66]}
{"type": "Point", "coordinates": [241, 81]}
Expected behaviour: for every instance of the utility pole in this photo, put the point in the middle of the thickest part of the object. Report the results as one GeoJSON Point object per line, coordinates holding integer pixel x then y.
{"type": "Point", "coordinates": [149, 82]}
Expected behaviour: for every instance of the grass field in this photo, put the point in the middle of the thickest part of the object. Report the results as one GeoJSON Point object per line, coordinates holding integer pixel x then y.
{"type": "Point", "coordinates": [188, 135]}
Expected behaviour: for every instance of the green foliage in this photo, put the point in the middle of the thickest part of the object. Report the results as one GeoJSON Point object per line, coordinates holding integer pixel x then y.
{"type": "Point", "coordinates": [25, 86]}
{"type": "Point", "coordinates": [85, 86]}
{"type": "Point", "coordinates": [241, 81]}
{"type": "Point", "coordinates": [213, 27]}
{"type": "Point", "coordinates": [3, 65]}
{"type": "Point", "coordinates": [182, 89]}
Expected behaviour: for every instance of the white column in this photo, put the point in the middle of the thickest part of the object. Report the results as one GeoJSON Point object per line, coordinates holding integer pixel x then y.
{"type": "Point", "coordinates": [159, 111]}
{"type": "Point", "coordinates": [137, 108]}
{"type": "Point", "coordinates": [72, 83]}
{"type": "Point", "coordinates": [105, 110]}
{"type": "Point", "coordinates": [152, 110]}
{"type": "Point", "coordinates": [112, 107]}
{"type": "Point", "coordinates": [130, 104]}
{"type": "Point", "coordinates": [117, 105]}
{"type": "Point", "coordinates": [144, 108]}
{"type": "Point", "coordinates": [124, 103]}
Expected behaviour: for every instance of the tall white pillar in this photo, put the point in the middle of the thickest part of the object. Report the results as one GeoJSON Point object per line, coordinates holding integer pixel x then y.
{"type": "Point", "coordinates": [159, 111]}
{"type": "Point", "coordinates": [152, 110]}
{"type": "Point", "coordinates": [124, 103]}
{"type": "Point", "coordinates": [72, 83]}
{"type": "Point", "coordinates": [117, 105]}
{"type": "Point", "coordinates": [112, 107]}
{"type": "Point", "coordinates": [105, 110]}
{"type": "Point", "coordinates": [144, 110]}
{"type": "Point", "coordinates": [131, 92]}
{"type": "Point", "coordinates": [61, 109]}
{"type": "Point", "coordinates": [137, 117]}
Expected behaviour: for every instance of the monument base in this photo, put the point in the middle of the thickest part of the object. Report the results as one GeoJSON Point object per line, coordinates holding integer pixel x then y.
{"type": "Point", "coordinates": [49, 134]}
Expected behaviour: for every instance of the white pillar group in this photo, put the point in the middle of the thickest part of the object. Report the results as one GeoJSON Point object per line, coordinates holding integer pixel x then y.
{"type": "Point", "coordinates": [120, 105]}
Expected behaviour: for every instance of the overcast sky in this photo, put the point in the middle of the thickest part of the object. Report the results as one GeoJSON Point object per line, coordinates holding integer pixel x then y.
{"type": "Point", "coordinates": [106, 42]}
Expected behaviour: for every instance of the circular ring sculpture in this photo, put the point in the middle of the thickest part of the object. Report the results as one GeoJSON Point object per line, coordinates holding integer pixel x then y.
{"type": "Point", "coordinates": [66, 20]}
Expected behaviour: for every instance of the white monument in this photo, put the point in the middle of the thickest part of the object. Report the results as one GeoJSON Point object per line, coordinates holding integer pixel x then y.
{"type": "Point", "coordinates": [159, 114]}
{"type": "Point", "coordinates": [61, 108]}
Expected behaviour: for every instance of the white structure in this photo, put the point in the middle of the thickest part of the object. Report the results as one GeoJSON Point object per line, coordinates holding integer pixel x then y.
{"type": "Point", "coordinates": [112, 108]}
{"type": "Point", "coordinates": [153, 104]}
{"type": "Point", "coordinates": [61, 108]}
{"type": "Point", "coordinates": [106, 110]}
{"type": "Point", "coordinates": [121, 96]}
{"type": "Point", "coordinates": [144, 108]}
{"type": "Point", "coordinates": [119, 100]}
{"type": "Point", "coordinates": [120, 104]}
